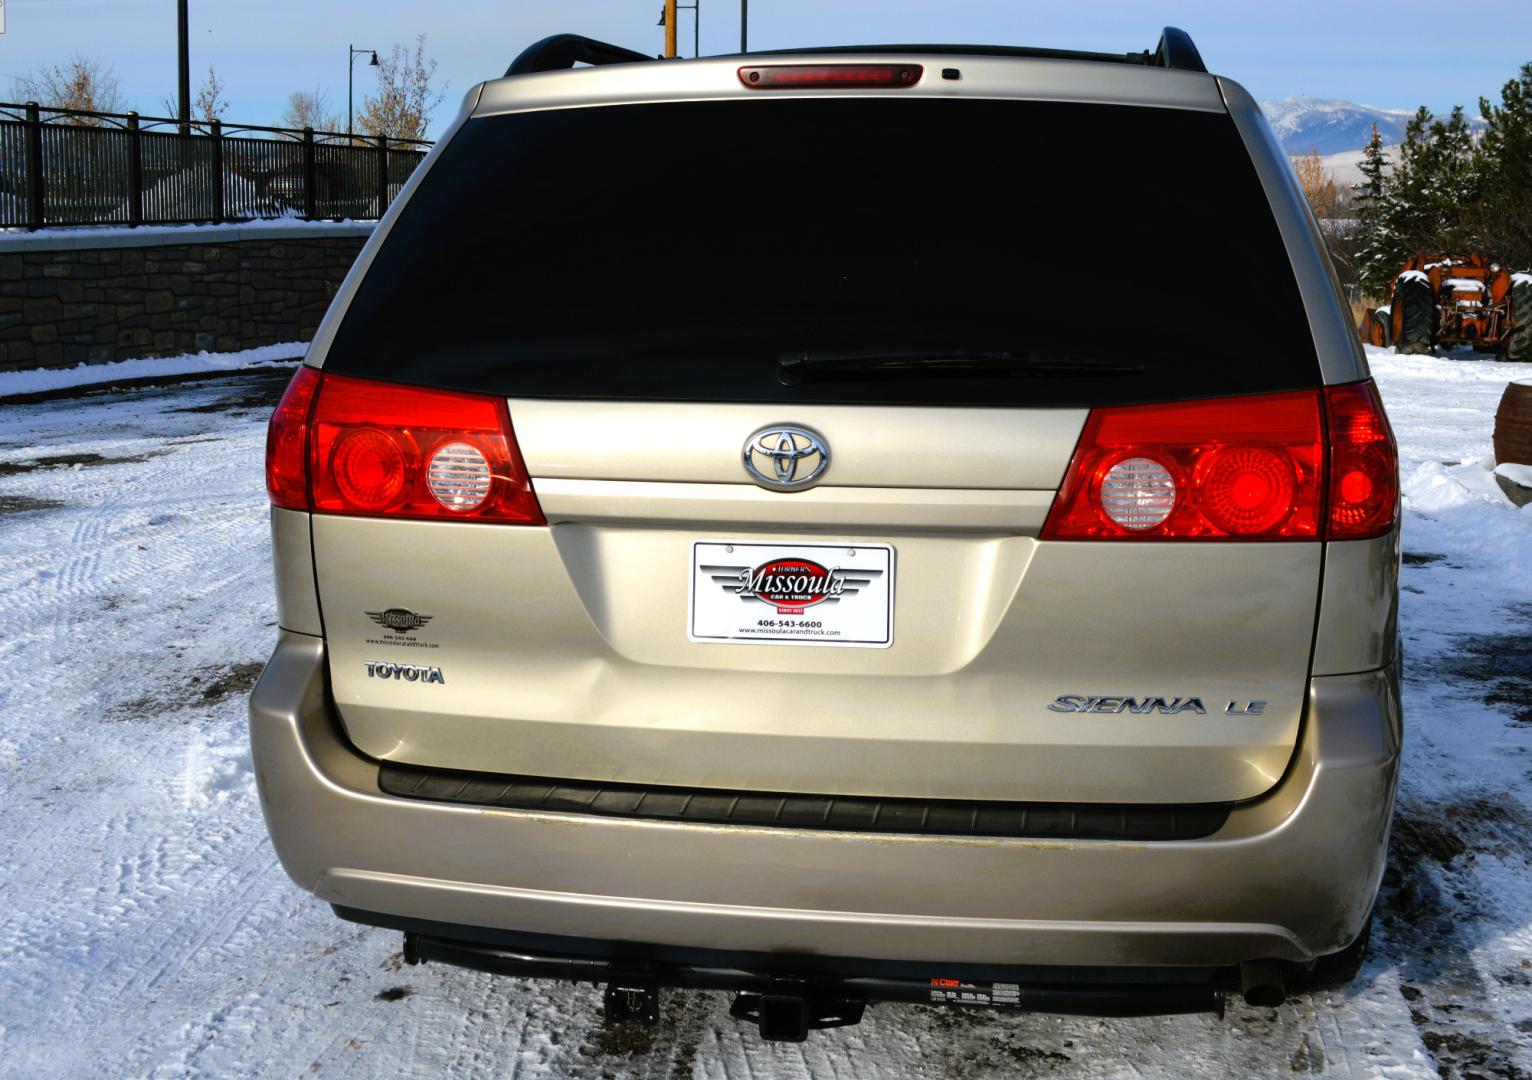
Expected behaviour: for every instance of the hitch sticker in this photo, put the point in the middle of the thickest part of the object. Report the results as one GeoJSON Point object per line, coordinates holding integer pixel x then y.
{"type": "Point", "coordinates": [958, 992]}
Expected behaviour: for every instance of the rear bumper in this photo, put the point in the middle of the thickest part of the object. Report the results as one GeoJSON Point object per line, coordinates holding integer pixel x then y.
{"type": "Point", "coordinates": [1292, 875]}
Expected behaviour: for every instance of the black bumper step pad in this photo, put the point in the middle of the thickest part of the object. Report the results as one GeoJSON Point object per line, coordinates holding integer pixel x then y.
{"type": "Point", "coordinates": [917, 817]}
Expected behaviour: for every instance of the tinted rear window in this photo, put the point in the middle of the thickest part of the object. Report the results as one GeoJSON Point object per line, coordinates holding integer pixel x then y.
{"type": "Point", "coordinates": [676, 252]}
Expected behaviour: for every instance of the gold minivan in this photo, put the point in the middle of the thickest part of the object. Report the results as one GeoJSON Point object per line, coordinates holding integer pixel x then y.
{"type": "Point", "coordinates": [840, 526]}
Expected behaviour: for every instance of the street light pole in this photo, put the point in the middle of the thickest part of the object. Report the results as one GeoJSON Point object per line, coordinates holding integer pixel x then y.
{"type": "Point", "coordinates": [351, 54]}
{"type": "Point", "coordinates": [744, 26]}
{"type": "Point", "coordinates": [183, 49]}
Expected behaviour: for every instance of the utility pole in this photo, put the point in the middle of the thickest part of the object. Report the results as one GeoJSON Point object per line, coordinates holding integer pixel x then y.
{"type": "Point", "coordinates": [744, 26]}
{"type": "Point", "coordinates": [668, 21]}
{"type": "Point", "coordinates": [183, 104]}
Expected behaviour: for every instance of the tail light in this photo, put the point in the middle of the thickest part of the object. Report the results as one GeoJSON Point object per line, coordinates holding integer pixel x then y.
{"type": "Point", "coordinates": [829, 76]}
{"type": "Point", "coordinates": [1364, 463]}
{"type": "Point", "coordinates": [287, 468]}
{"type": "Point", "coordinates": [1256, 468]}
{"type": "Point", "coordinates": [342, 445]}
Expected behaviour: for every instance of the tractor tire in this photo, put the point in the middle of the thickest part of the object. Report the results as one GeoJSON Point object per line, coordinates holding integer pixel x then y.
{"type": "Point", "coordinates": [1415, 307]}
{"type": "Point", "coordinates": [1382, 330]}
{"type": "Point", "coordinates": [1518, 342]}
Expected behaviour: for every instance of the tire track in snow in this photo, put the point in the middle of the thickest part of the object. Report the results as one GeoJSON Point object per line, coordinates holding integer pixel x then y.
{"type": "Point", "coordinates": [126, 913]}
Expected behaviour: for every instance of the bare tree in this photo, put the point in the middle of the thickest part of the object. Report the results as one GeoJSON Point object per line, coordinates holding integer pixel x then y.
{"type": "Point", "coordinates": [406, 94]}
{"type": "Point", "coordinates": [209, 104]}
{"type": "Point", "coordinates": [1323, 193]}
{"type": "Point", "coordinates": [82, 82]}
{"type": "Point", "coordinates": [310, 109]}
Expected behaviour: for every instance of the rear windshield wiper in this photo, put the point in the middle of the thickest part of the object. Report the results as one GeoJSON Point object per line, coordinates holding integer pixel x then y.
{"type": "Point", "coordinates": [796, 367]}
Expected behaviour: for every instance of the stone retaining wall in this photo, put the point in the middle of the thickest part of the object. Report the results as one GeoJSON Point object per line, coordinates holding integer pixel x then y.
{"type": "Point", "coordinates": [93, 297]}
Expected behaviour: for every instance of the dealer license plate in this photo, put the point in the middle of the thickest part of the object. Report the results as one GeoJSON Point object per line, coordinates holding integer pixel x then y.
{"type": "Point", "coordinates": [792, 594]}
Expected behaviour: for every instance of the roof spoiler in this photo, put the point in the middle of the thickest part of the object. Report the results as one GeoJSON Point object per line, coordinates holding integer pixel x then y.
{"type": "Point", "coordinates": [566, 50]}
{"type": "Point", "coordinates": [1175, 51]}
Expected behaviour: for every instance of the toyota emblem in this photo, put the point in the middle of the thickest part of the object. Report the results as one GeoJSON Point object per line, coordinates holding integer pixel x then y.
{"type": "Point", "coordinates": [786, 458]}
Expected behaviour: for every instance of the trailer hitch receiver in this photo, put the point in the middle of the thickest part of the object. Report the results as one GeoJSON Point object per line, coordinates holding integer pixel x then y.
{"type": "Point", "coordinates": [786, 1011]}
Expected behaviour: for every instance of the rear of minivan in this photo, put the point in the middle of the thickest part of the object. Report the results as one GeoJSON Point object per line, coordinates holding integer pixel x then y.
{"type": "Point", "coordinates": [942, 522]}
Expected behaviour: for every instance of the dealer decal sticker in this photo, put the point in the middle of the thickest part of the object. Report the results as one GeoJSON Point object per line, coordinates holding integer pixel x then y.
{"type": "Point", "coordinates": [792, 594]}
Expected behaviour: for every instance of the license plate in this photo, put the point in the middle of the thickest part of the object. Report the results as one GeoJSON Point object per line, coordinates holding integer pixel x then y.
{"type": "Point", "coordinates": [792, 594]}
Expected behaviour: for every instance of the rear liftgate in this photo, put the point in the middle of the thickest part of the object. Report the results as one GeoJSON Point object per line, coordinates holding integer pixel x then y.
{"type": "Point", "coordinates": [787, 1007]}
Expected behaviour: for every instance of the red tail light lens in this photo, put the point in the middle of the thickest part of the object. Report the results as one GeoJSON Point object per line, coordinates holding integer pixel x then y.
{"type": "Point", "coordinates": [341, 445]}
{"type": "Point", "coordinates": [368, 469]}
{"type": "Point", "coordinates": [287, 474]}
{"type": "Point", "coordinates": [1247, 490]}
{"type": "Point", "coordinates": [1236, 468]}
{"type": "Point", "coordinates": [1254, 468]}
{"type": "Point", "coordinates": [823, 76]}
{"type": "Point", "coordinates": [1364, 464]}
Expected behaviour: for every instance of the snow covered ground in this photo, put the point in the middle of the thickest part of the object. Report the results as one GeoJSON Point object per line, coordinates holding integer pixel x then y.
{"type": "Point", "coordinates": [42, 380]}
{"type": "Point", "coordinates": [147, 930]}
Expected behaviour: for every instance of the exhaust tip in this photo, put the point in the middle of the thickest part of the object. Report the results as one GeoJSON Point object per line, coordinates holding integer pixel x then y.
{"type": "Point", "coordinates": [1262, 983]}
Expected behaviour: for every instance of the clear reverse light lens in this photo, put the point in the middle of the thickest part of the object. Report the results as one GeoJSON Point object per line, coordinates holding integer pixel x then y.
{"type": "Point", "coordinates": [1138, 493]}
{"type": "Point", "coordinates": [459, 476]}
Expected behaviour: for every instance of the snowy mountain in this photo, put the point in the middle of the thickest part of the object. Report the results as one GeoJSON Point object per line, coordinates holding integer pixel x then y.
{"type": "Point", "coordinates": [1304, 123]}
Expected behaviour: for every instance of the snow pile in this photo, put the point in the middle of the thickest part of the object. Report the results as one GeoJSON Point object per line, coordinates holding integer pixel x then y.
{"type": "Point", "coordinates": [1453, 505]}
{"type": "Point", "coordinates": [184, 194]}
{"type": "Point", "coordinates": [39, 380]}
{"type": "Point", "coordinates": [1461, 510]}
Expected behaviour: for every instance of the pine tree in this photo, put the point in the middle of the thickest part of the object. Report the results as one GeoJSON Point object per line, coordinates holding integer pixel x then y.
{"type": "Point", "coordinates": [1503, 217]}
{"type": "Point", "coordinates": [1504, 154]}
{"type": "Point", "coordinates": [1454, 181]}
{"type": "Point", "coordinates": [1380, 250]}
{"type": "Point", "coordinates": [1428, 196]}
{"type": "Point", "coordinates": [1373, 169]}
{"type": "Point", "coordinates": [1449, 191]}
{"type": "Point", "coordinates": [1410, 207]}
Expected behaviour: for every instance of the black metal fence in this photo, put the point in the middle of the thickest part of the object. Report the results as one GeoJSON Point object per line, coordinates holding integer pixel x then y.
{"type": "Point", "coordinates": [67, 167]}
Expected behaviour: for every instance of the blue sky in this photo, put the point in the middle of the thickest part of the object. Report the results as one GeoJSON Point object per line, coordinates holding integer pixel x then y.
{"type": "Point", "coordinates": [1397, 54]}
